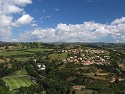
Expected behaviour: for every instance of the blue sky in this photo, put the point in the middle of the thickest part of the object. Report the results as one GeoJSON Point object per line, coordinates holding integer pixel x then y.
{"type": "Point", "coordinates": [62, 20]}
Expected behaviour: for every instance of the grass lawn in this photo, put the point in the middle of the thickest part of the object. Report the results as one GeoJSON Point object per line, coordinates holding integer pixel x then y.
{"type": "Point", "coordinates": [57, 56]}
{"type": "Point", "coordinates": [17, 81]}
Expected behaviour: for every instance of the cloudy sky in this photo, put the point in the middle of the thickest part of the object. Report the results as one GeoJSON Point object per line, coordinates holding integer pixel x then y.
{"type": "Point", "coordinates": [62, 20]}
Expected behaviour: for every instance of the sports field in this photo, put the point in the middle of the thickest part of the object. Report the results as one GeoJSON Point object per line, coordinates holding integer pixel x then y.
{"type": "Point", "coordinates": [17, 81]}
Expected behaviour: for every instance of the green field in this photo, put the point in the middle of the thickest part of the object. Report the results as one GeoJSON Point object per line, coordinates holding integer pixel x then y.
{"type": "Point", "coordinates": [23, 52]}
{"type": "Point", "coordinates": [37, 49]}
{"type": "Point", "coordinates": [57, 56]}
{"type": "Point", "coordinates": [23, 59]}
{"type": "Point", "coordinates": [17, 81]}
{"type": "Point", "coordinates": [17, 73]}
{"type": "Point", "coordinates": [14, 53]}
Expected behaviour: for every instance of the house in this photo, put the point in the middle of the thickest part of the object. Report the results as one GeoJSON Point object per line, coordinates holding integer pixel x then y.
{"type": "Point", "coordinates": [120, 79]}
{"type": "Point", "coordinates": [78, 87]}
{"type": "Point", "coordinates": [71, 61]}
{"type": "Point", "coordinates": [86, 63]}
{"type": "Point", "coordinates": [75, 57]}
{"type": "Point", "coordinates": [41, 66]}
{"type": "Point", "coordinates": [113, 80]}
{"type": "Point", "coordinates": [71, 58]}
{"type": "Point", "coordinates": [64, 60]}
{"type": "Point", "coordinates": [80, 59]}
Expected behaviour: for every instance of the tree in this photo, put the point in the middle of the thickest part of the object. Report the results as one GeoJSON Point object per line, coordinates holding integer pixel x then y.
{"type": "Point", "coordinates": [3, 90]}
{"type": "Point", "coordinates": [73, 92]}
{"type": "Point", "coordinates": [94, 92]}
{"type": "Point", "coordinates": [6, 48]}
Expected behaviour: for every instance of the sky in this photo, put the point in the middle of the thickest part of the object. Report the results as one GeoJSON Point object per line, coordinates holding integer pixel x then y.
{"type": "Point", "coordinates": [62, 21]}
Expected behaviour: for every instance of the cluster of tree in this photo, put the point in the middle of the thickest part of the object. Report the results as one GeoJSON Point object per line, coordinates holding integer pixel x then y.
{"type": "Point", "coordinates": [72, 65]}
{"type": "Point", "coordinates": [3, 87]}
{"type": "Point", "coordinates": [55, 86]}
{"type": "Point", "coordinates": [30, 45]}
{"type": "Point", "coordinates": [30, 70]}
{"type": "Point", "coordinates": [33, 89]}
{"type": "Point", "coordinates": [105, 87]}
{"type": "Point", "coordinates": [61, 74]}
{"type": "Point", "coordinates": [3, 90]}
{"type": "Point", "coordinates": [5, 70]}
{"type": "Point", "coordinates": [2, 44]}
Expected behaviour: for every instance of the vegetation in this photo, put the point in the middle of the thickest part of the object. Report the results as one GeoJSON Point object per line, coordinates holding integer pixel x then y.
{"type": "Point", "coordinates": [98, 68]}
{"type": "Point", "coordinates": [15, 82]}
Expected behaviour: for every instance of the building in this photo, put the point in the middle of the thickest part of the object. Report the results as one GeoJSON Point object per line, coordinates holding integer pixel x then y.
{"type": "Point", "coordinates": [41, 66]}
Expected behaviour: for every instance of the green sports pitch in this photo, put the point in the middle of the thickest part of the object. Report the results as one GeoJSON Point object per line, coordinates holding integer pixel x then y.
{"type": "Point", "coordinates": [15, 82]}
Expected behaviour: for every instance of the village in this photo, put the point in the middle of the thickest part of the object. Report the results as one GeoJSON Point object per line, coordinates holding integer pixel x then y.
{"type": "Point", "coordinates": [87, 56]}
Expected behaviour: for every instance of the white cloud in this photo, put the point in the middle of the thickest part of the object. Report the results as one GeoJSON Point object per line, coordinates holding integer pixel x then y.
{"type": "Point", "coordinates": [20, 2]}
{"type": "Point", "coordinates": [39, 34]}
{"type": "Point", "coordinates": [12, 6]}
{"type": "Point", "coordinates": [119, 21]}
{"type": "Point", "coordinates": [5, 33]}
{"type": "Point", "coordinates": [7, 9]}
{"type": "Point", "coordinates": [5, 20]}
{"type": "Point", "coordinates": [25, 19]}
{"type": "Point", "coordinates": [86, 32]}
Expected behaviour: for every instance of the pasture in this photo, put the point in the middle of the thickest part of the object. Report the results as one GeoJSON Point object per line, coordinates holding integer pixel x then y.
{"type": "Point", "coordinates": [15, 82]}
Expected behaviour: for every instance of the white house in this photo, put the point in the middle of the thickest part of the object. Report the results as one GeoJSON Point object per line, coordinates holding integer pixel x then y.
{"type": "Point", "coordinates": [41, 66]}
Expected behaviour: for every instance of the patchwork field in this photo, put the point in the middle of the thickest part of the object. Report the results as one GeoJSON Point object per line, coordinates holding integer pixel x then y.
{"type": "Point", "coordinates": [15, 82]}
